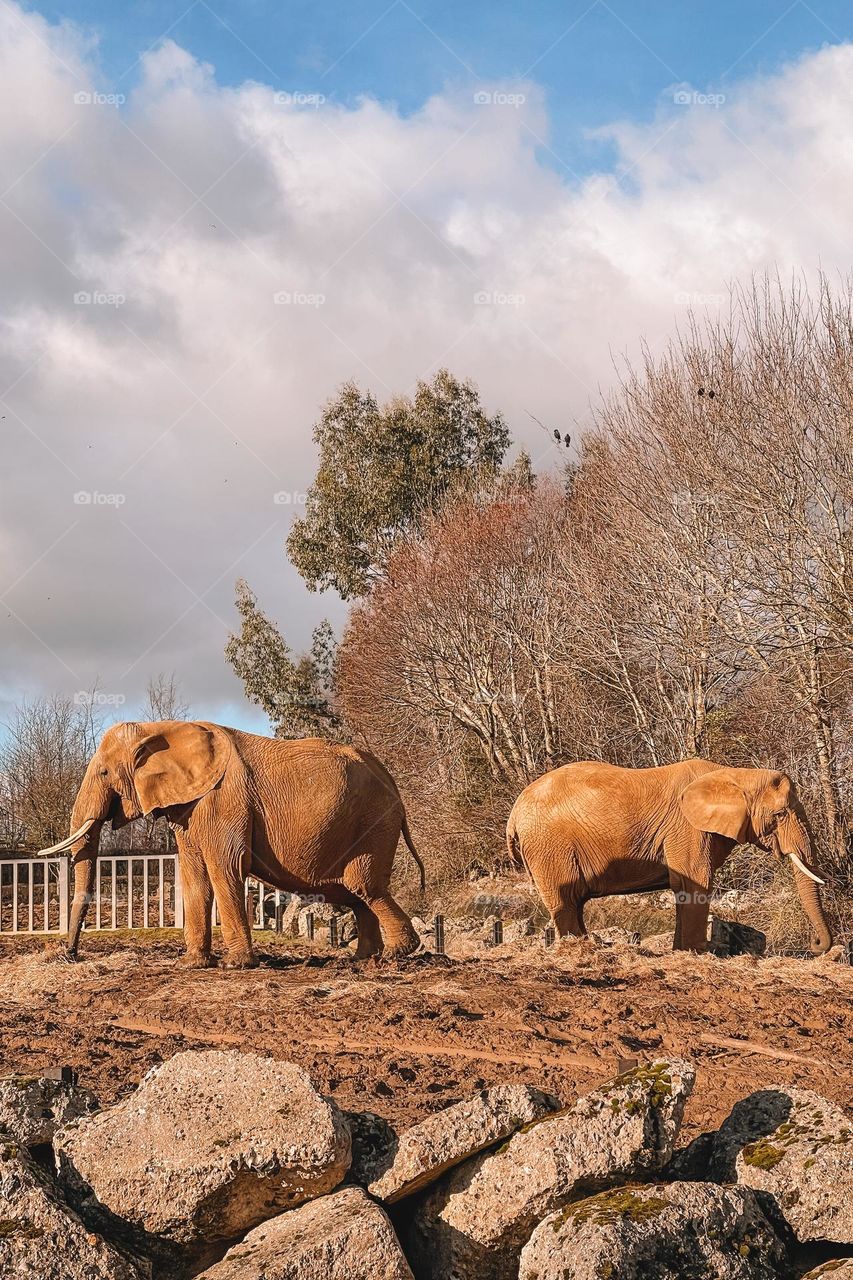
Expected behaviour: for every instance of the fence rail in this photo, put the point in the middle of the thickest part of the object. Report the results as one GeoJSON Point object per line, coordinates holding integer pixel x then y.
{"type": "Point", "coordinates": [132, 891]}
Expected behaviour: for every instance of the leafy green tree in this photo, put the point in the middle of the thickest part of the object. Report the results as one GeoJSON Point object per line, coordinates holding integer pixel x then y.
{"type": "Point", "coordinates": [382, 469]}
{"type": "Point", "coordinates": [295, 692]}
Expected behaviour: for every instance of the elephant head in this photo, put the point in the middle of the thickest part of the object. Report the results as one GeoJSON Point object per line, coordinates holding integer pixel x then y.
{"type": "Point", "coordinates": [138, 770]}
{"type": "Point", "coordinates": [761, 807]}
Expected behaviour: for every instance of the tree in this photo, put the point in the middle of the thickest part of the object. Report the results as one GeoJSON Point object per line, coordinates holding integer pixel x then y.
{"type": "Point", "coordinates": [296, 693]}
{"type": "Point", "coordinates": [383, 469]}
{"type": "Point", "coordinates": [42, 763]}
{"type": "Point", "coordinates": [163, 699]}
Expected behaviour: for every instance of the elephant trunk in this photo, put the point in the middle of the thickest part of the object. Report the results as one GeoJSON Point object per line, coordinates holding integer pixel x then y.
{"type": "Point", "coordinates": [85, 865]}
{"type": "Point", "coordinates": [813, 907]}
{"type": "Point", "coordinates": [94, 804]}
{"type": "Point", "coordinates": [800, 842]}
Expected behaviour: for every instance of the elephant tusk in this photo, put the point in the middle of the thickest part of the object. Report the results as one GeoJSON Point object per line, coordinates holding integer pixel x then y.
{"type": "Point", "coordinates": [801, 866]}
{"type": "Point", "coordinates": [66, 844]}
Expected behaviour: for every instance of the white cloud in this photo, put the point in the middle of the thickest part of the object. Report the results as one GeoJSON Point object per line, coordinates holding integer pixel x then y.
{"type": "Point", "coordinates": [182, 386]}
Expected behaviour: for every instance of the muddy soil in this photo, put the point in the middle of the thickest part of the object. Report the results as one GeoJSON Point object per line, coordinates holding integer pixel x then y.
{"type": "Point", "coordinates": [405, 1039]}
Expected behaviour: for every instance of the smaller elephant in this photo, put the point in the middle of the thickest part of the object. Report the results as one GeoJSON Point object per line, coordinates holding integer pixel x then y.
{"type": "Point", "coordinates": [305, 815]}
{"type": "Point", "coordinates": [589, 830]}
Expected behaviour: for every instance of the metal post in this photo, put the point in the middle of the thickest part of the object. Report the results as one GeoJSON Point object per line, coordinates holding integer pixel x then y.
{"type": "Point", "coordinates": [497, 932]}
{"type": "Point", "coordinates": [333, 931]}
{"type": "Point", "coordinates": [550, 936]}
{"type": "Point", "coordinates": [309, 926]}
{"type": "Point", "coordinates": [438, 925]}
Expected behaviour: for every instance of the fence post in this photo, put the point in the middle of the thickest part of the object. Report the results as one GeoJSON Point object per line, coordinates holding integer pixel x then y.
{"type": "Point", "coordinates": [497, 932]}
{"type": "Point", "coordinates": [63, 875]}
{"type": "Point", "coordinates": [179, 896]}
{"type": "Point", "coordinates": [333, 931]}
{"type": "Point", "coordinates": [550, 935]}
{"type": "Point", "coordinates": [309, 926]}
{"type": "Point", "coordinates": [438, 925]}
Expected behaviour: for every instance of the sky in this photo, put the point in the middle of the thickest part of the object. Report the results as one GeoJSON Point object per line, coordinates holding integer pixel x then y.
{"type": "Point", "coordinates": [213, 215]}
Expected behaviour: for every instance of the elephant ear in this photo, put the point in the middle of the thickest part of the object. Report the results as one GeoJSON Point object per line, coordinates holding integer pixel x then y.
{"type": "Point", "coordinates": [179, 763]}
{"type": "Point", "coordinates": [713, 803]}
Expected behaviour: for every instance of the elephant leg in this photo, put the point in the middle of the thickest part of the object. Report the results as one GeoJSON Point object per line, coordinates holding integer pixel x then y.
{"type": "Point", "coordinates": [231, 899]}
{"type": "Point", "coordinates": [366, 876]}
{"type": "Point", "coordinates": [198, 904]}
{"type": "Point", "coordinates": [369, 935]}
{"type": "Point", "coordinates": [568, 919]}
{"type": "Point", "coordinates": [692, 904]}
{"type": "Point", "coordinates": [398, 935]}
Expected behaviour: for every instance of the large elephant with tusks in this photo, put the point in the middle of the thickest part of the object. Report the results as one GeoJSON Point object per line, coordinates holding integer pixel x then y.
{"type": "Point", "coordinates": [305, 815]}
{"type": "Point", "coordinates": [589, 830]}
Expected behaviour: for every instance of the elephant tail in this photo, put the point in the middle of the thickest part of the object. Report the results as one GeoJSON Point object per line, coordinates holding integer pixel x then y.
{"type": "Point", "coordinates": [513, 848]}
{"type": "Point", "coordinates": [407, 836]}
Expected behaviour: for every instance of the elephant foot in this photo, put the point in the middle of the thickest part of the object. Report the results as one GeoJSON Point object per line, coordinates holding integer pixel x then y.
{"type": "Point", "coordinates": [240, 962]}
{"type": "Point", "coordinates": [197, 960]}
{"type": "Point", "coordinates": [364, 951]}
{"type": "Point", "coordinates": [399, 950]}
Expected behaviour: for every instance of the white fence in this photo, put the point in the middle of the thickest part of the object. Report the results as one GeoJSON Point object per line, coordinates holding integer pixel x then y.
{"type": "Point", "coordinates": [132, 891]}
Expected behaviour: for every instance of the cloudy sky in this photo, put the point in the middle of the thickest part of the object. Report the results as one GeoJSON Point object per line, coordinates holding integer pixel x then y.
{"type": "Point", "coordinates": [212, 215]}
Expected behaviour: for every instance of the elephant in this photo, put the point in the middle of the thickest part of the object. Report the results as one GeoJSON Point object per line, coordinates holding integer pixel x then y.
{"type": "Point", "coordinates": [305, 815]}
{"type": "Point", "coordinates": [589, 830]}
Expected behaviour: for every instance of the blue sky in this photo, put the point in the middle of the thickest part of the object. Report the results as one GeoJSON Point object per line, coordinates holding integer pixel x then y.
{"type": "Point", "coordinates": [596, 61]}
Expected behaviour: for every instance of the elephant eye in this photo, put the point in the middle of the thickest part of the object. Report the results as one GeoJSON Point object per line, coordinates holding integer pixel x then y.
{"type": "Point", "coordinates": [104, 773]}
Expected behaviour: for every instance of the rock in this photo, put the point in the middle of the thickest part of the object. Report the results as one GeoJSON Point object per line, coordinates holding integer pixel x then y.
{"type": "Point", "coordinates": [654, 1233]}
{"type": "Point", "coordinates": [343, 1236]}
{"type": "Point", "coordinates": [613, 934]}
{"type": "Point", "coordinates": [836, 1269]}
{"type": "Point", "coordinates": [209, 1145]}
{"type": "Point", "coordinates": [658, 944]}
{"type": "Point", "coordinates": [474, 1224]}
{"type": "Point", "coordinates": [730, 938]}
{"type": "Point", "coordinates": [691, 1163]}
{"type": "Point", "coordinates": [374, 1141]}
{"type": "Point", "coordinates": [32, 1109]}
{"type": "Point", "coordinates": [448, 1137]}
{"type": "Point", "coordinates": [323, 913]}
{"type": "Point", "coordinates": [798, 1146]}
{"type": "Point", "coordinates": [290, 915]}
{"type": "Point", "coordinates": [40, 1237]}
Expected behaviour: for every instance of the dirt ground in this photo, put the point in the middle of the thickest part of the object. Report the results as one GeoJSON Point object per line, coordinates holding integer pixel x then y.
{"type": "Point", "coordinates": [407, 1038]}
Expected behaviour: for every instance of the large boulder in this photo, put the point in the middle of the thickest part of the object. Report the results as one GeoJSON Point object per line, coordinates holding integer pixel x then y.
{"type": "Point", "coordinates": [798, 1146]}
{"type": "Point", "coordinates": [836, 1269]}
{"type": "Point", "coordinates": [208, 1146]}
{"type": "Point", "coordinates": [656, 1233]}
{"type": "Point", "coordinates": [32, 1108]}
{"type": "Point", "coordinates": [40, 1237]}
{"type": "Point", "coordinates": [343, 1236]}
{"type": "Point", "coordinates": [448, 1137]}
{"type": "Point", "coordinates": [474, 1224]}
